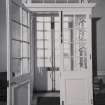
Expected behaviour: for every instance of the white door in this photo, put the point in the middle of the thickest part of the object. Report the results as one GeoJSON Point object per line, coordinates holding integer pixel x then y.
{"type": "Point", "coordinates": [76, 69]}
{"type": "Point", "coordinates": [18, 53]}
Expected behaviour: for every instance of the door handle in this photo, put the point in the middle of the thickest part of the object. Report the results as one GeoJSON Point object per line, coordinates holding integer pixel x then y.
{"type": "Point", "coordinates": [13, 83]}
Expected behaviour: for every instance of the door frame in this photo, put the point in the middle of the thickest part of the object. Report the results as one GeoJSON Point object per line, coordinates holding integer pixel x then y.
{"type": "Point", "coordinates": [8, 48]}
{"type": "Point", "coordinates": [34, 8]}
{"type": "Point", "coordinates": [53, 7]}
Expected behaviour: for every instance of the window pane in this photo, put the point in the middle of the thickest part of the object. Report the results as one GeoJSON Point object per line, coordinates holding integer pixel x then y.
{"type": "Point", "coordinates": [25, 17]}
{"type": "Point", "coordinates": [39, 44]}
{"type": "Point", "coordinates": [16, 67]}
{"type": "Point", "coordinates": [39, 19]}
{"type": "Point", "coordinates": [40, 62]}
{"type": "Point", "coordinates": [47, 26]}
{"type": "Point", "coordinates": [57, 36]}
{"type": "Point", "coordinates": [48, 54]}
{"type": "Point", "coordinates": [39, 35]}
{"type": "Point", "coordinates": [25, 66]}
{"type": "Point", "coordinates": [25, 50]}
{"type": "Point", "coordinates": [49, 1]}
{"type": "Point", "coordinates": [56, 19]}
{"type": "Point", "coordinates": [48, 36]}
{"type": "Point", "coordinates": [57, 27]}
{"type": "Point", "coordinates": [40, 53]}
{"type": "Point", "coordinates": [15, 13]}
{"type": "Point", "coordinates": [57, 58]}
{"type": "Point", "coordinates": [47, 19]}
{"type": "Point", "coordinates": [47, 62]}
{"type": "Point", "coordinates": [39, 26]}
{"type": "Point", "coordinates": [67, 63]}
{"type": "Point", "coordinates": [16, 49]}
{"type": "Point", "coordinates": [47, 45]}
{"type": "Point", "coordinates": [15, 30]}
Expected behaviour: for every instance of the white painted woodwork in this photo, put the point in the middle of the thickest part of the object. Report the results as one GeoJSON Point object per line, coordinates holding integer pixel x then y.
{"type": "Point", "coordinates": [76, 83]}
{"type": "Point", "coordinates": [19, 53]}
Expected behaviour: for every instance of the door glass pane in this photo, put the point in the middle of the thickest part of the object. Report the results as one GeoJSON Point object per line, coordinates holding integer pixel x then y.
{"type": "Point", "coordinates": [16, 67]}
{"type": "Point", "coordinates": [17, 1]}
{"type": "Point", "coordinates": [15, 12]}
{"type": "Point", "coordinates": [73, 1]}
{"type": "Point", "coordinates": [25, 66]}
{"type": "Point", "coordinates": [68, 42]}
{"type": "Point", "coordinates": [16, 31]}
{"type": "Point", "coordinates": [81, 40]}
{"type": "Point", "coordinates": [61, 1]}
{"type": "Point", "coordinates": [16, 49]}
{"type": "Point", "coordinates": [25, 50]}
{"type": "Point", "coordinates": [36, 1]}
{"type": "Point", "coordinates": [80, 21]}
{"type": "Point", "coordinates": [25, 17]}
{"type": "Point", "coordinates": [29, 20]}
{"type": "Point", "coordinates": [25, 34]}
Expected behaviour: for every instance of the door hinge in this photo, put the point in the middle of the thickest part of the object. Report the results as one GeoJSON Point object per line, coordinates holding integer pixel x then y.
{"type": "Point", "coordinates": [90, 56]}
{"type": "Point", "coordinates": [7, 83]}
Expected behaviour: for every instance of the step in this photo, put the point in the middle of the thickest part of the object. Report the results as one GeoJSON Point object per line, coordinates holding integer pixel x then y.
{"type": "Point", "coordinates": [48, 101]}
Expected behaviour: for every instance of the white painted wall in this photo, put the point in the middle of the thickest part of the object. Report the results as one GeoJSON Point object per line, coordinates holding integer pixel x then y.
{"type": "Point", "coordinates": [3, 51]}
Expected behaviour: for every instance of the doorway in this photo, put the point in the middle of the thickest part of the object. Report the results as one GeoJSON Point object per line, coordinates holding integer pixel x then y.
{"type": "Point", "coordinates": [46, 27]}
{"type": "Point", "coordinates": [47, 42]}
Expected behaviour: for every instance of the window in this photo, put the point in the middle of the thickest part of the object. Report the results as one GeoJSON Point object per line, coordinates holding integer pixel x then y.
{"type": "Point", "coordinates": [45, 39]}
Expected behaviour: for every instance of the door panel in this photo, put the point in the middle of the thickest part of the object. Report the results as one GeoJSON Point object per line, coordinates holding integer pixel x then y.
{"type": "Point", "coordinates": [76, 73]}
{"type": "Point", "coordinates": [19, 91]}
{"type": "Point", "coordinates": [19, 56]}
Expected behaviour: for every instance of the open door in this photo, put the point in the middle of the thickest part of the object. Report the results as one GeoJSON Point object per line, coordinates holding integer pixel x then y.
{"type": "Point", "coordinates": [19, 71]}
{"type": "Point", "coordinates": [76, 66]}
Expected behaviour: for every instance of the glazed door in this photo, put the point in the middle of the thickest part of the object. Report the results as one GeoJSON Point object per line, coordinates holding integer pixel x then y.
{"type": "Point", "coordinates": [19, 56]}
{"type": "Point", "coordinates": [76, 69]}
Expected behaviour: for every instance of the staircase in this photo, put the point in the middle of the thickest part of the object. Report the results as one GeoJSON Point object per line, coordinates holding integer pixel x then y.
{"type": "Point", "coordinates": [48, 101]}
